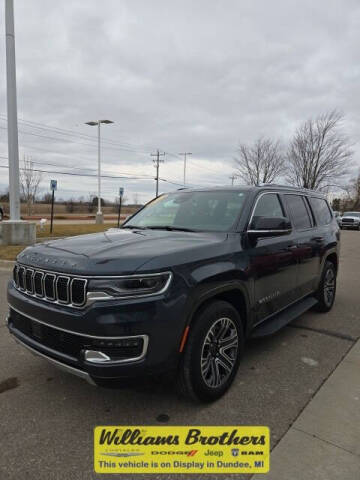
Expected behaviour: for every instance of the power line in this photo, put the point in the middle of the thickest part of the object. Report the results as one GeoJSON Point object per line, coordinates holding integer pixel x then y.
{"type": "Point", "coordinates": [157, 165]}
{"type": "Point", "coordinates": [126, 146]}
{"type": "Point", "coordinates": [66, 132]}
{"type": "Point", "coordinates": [57, 139]}
{"type": "Point", "coordinates": [95, 175]}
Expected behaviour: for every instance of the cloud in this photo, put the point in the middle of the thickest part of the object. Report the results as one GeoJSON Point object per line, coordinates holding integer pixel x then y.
{"type": "Point", "coordinates": [179, 76]}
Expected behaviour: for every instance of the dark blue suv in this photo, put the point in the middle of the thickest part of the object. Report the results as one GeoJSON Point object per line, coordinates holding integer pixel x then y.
{"type": "Point", "coordinates": [180, 287]}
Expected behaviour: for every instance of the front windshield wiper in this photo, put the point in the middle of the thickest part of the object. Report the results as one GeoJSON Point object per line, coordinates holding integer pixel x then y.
{"type": "Point", "coordinates": [170, 228]}
{"type": "Point", "coordinates": [135, 227]}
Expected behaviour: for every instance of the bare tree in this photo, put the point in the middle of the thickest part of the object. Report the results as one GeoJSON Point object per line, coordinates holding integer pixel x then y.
{"type": "Point", "coordinates": [261, 162]}
{"type": "Point", "coordinates": [29, 180]}
{"type": "Point", "coordinates": [319, 154]}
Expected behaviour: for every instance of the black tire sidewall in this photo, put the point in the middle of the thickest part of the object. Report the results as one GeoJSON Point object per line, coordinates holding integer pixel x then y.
{"type": "Point", "coordinates": [323, 306]}
{"type": "Point", "coordinates": [192, 358]}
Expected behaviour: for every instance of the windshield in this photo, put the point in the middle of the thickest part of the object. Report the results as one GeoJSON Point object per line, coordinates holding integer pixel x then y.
{"type": "Point", "coordinates": [195, 211]}
{"type": "Point", "coordinates": [352, 214]}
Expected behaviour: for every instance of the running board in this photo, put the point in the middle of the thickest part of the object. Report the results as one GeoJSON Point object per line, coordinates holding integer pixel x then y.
{"type": "Point", "coordinates": [279, 320]}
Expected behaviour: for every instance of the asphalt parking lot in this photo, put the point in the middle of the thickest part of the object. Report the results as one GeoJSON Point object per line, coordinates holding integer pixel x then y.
{"type": "Point", "coordinates": [47, 416]}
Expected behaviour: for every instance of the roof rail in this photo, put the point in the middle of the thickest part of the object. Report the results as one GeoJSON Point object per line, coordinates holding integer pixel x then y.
{"type": "Point", "coordinates": [287, 187]}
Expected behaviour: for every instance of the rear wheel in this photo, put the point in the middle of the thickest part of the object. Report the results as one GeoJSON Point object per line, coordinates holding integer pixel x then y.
{"type": "Point", "coordinates": [327, 288]}
{"type": "Point", "coordinates": [213, 351]}
{"type": "Point", "coordinates": [1, 215]}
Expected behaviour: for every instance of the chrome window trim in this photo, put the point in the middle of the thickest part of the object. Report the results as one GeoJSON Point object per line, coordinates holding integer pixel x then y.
{"type": "Point", "coordinates": [67, 301]}
{"type": "Point", "coordinates": [270, 231]}
{"type": "Point", "coordinates": [308, 209]}
{"type": "Point", "coordinates": [275, 192]}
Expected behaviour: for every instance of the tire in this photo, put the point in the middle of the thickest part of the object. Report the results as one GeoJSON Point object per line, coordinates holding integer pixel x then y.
{"type": "Point", "coordinates": [1, 216]}
{"type": "Point", "coordinates": [327, 288]}
{"type": "Point", "coordinates": [206, 369]}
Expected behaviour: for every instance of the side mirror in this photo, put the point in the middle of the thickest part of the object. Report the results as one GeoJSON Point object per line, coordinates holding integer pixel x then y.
{"type": "Point", "coordinates": [269, 227]}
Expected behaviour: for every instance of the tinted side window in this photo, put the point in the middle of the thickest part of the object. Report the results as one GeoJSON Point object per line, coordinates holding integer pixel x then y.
{"type": "Point", "coordinates": [268, 206]}
{"type": "Point", "coordinates": [299, 212]}
{"type": "Point", "coordinates": [321, 210]}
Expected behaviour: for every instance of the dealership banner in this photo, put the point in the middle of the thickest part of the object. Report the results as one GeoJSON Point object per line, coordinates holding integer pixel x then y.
{"type": "Point", "coordinates": [174, 449]}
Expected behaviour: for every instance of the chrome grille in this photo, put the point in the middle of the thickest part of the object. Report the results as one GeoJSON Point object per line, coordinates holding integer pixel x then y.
{"type": "Point", "coordinates": [29, 275]}
{"type": "Point", "coordinates": [62, 289]}
{"type": "Point", "coordinates": [38, 284]}
{"type": "Point", "coordinates": [51, 287]}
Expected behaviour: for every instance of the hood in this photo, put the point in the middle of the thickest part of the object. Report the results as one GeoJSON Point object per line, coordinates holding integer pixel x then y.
{"type": "Point", "coordinates": [350, 217]}
{"type": "Point", "coordinates": [121, 251]}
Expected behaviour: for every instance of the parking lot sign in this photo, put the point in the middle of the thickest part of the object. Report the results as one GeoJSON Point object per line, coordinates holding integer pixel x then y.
{"type": "Point", "coordinates": [53, 185]}
{"type": "Point", "coordinates": [121, 191]}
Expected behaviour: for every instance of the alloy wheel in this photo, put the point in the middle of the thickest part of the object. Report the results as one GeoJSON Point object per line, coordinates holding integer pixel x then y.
{"type": "Point", "coordinates": [329, 287]}
{"type": "Point", "coordinates": [219, 352]}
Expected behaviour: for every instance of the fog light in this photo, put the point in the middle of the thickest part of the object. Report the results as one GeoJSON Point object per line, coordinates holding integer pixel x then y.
{"type": "Point", "coordinates": [126, 342]}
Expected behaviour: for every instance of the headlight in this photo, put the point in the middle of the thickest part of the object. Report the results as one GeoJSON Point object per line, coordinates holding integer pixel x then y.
{"type": "Point", "coordinates": [133, 285]}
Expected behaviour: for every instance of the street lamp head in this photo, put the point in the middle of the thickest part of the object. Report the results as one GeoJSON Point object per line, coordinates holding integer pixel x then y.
{"type": "Point", "coordinates": [106, 121]}
{"type": "Point", "coordinates": [91, 123]}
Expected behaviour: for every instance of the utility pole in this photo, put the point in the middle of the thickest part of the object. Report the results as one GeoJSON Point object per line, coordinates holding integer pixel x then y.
{"type": "Point", "coordinates": [157, 164]}
{"type": "Point", "coordinates": [232, 178]}
{"type": "Point", "coordinates": [14, 183]}
{"type": "Point", "coordinates": [185, 155]}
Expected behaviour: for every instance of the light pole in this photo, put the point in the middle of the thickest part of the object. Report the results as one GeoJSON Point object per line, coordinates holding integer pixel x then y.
{"type": "Point", "coordinates": [99, 215]}
{"type": "Point", "coordinates": [14, 183]}
{"type": "Point", "coordinates": [185, 155]}
{"type": "Point", "coordinates": [15, 231]}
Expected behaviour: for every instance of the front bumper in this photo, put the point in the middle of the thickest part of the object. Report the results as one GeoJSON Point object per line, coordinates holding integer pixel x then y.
{"type": "Point", "coordinates": [354, 225]}
{"type": "Point", "coordinates": [159, 322]}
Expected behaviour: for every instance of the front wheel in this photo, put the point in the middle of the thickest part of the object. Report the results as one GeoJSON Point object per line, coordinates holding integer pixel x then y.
{"type": "Point", "coordinates": [1, 215]}
{"type": "Point", "coordinates": [327, 288]}
{"type": "Point", "coordinates": [213, 351]}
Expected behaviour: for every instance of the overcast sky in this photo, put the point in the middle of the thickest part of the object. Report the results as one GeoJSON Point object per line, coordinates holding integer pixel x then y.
{"type": "Point", "coordinates": [181, 75]}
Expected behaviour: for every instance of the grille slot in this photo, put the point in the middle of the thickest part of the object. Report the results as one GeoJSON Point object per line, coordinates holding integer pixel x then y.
{"type": "Point", "coordinates": [16, 275]}
{"type": "Point", "coordinates": [29, 280]}
{"type": "Point", "coordinates": [21, 274]}
{"type": "Point", "coordinates": [52, 287]}
{"type": "Point", "coordinates": [49, 286]}
{"type": "Point", "coordinates": [38, 284]}
{"type": "Point", "coordinates": [77, 290]}
{"type": "Point", "coordinates": [62, 289]}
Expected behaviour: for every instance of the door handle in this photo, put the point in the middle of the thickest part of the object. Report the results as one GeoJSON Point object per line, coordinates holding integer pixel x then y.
{"type": "Point", "coordinates": [318, 239]}
{"type": "Point", "coordinates": [292, 247]}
